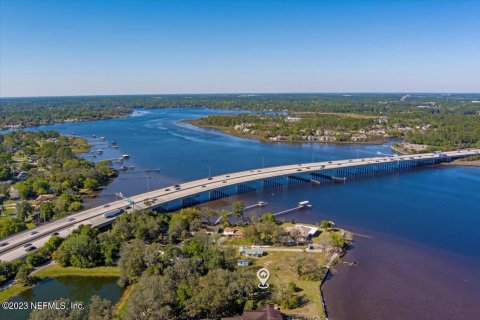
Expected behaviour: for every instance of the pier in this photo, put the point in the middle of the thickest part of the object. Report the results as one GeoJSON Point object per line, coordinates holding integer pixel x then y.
{"type": "Point", "coordinates": [301, 205]}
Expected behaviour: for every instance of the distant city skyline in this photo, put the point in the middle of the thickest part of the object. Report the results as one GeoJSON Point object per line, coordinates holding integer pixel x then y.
{"type": "Point", "coordinates": [71, 48]}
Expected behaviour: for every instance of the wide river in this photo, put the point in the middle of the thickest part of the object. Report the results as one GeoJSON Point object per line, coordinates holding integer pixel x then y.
{"type": "Point", "coordinates": [417, 233]}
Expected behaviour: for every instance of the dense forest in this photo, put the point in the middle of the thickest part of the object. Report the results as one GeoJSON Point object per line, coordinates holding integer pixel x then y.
{"type": "Point", "coordinates": [45, 110]}
{"type": "Point", "coordinates": [439, 121]}
{"type": "Point", "coordinates": [436, 131]}
{"type": "Point", "coordinates": [45, 164]}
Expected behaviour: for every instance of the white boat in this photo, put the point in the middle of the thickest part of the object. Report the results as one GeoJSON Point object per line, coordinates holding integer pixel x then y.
{"type": "Point", "coordinates": [304, 204]}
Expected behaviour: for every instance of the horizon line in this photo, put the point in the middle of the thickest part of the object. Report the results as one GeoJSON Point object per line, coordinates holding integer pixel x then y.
{"type": "Point", "coordinates": [237, 93]}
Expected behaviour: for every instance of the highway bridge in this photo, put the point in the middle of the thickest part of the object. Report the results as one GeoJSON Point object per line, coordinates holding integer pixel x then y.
{"type": "Point", "coordinates": [212, 188]}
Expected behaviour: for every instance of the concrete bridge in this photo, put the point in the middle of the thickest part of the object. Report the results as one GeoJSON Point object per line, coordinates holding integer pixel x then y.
{"type": "Point", "coordinates": [212, 188]}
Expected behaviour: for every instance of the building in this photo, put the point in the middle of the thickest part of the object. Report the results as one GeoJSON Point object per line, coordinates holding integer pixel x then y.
{"type": "Point", "coordinates": [233, 232]}
{"type": "Point", "coordinates": [243, 263]}
{"type": "Point", "coordinates": [44, 198]}
{"type": "Point", "coordinates": [265, 313]}
{"type": "Point", "coordinates": [292, 119]}
{"type": "Point", "coordinates": [251, 252]}
{"type": "Point", "coordinates": [305, 233]}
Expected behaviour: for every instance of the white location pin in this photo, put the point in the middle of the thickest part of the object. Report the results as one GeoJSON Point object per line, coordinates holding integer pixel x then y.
{"type": "Point", "coordinates": [263, 275]}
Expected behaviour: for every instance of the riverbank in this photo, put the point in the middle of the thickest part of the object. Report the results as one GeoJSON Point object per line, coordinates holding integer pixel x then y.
{"type": "Point", "coordinates": [54, 271]}
{"type": "Point", "coordinates": [231, 131]}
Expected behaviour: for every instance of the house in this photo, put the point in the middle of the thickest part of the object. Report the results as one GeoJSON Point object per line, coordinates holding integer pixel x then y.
{"type": "Point", "coordinates": [44, 198]}
{"type": "Point", "coordinates": [243, 263]}
{"type": "Point", "coordinates": [233, 232]}
{"type": "Point", "coordinates": [267, 312]}
{"type": "Point", "coordinates": [303, 232]}
{"type": "Point", "coordinates": [211, 230]}
{"type": "Point", "coordinates": [292, 119]}
{"type": "Point", "coordinates": [252, 252]}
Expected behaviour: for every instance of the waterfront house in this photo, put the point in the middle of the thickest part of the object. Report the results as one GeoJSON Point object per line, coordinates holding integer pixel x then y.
{"type": "Point", "coordinates": [303, 233]}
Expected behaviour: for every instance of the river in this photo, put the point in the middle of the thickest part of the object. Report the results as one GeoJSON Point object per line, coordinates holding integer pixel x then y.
{"type": "Point", "coordinates": [416, 240]}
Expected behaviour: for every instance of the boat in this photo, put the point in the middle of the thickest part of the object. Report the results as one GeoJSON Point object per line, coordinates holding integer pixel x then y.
{"type": "Point", "coordinates": [262, 203]}
{"type": "Point", "coordinates": [125, 156]}
{"type": "Point", "coordinates": [102, 138]}
{"type": "Point", "coordinates": [304, 204]}
{"type": "Point", "coordinates": [100, 151]}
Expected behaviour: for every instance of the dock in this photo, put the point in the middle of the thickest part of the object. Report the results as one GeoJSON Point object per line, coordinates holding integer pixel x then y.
{"type": "Point", "coordinates": [301, 205]}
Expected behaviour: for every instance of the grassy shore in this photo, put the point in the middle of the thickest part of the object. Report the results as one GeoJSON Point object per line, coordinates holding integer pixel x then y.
{"type": "Point", "coordinates": [56, 270]}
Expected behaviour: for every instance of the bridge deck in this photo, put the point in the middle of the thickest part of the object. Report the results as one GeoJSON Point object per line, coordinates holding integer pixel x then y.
{"type": "Point", "coordinates": [202, 190]}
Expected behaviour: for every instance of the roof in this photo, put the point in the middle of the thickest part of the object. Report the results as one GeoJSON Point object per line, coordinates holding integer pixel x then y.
{"type": "Point", "coordinates": [251, 251]}
{"type": "Point", "coordinates": [265, 313]}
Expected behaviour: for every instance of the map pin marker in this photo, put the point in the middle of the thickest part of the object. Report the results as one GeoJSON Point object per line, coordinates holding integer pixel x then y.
{"type": "Point", "coordinates": [263, 275]}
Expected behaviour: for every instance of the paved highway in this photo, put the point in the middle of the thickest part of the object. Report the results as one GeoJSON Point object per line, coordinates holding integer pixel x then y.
{"type": "Point", "coordinates": [12, 248]}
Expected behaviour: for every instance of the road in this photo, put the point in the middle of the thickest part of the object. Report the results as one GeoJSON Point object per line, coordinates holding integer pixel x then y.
{"type": "Point", "coordinates": [12, 248]}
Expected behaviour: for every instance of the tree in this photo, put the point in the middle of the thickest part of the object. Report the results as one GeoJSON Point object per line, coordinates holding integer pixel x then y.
{"type": "Point", "coordinates": [99, 309]}
{"type": "Point", "coordinates": [269, 217]}
{"type": "Point", "coordinates": [131, 261]}
{"type": "Point", "coordinates": [47, 210]}
{"type": "Point", "coordinates": [326, 224]}
{"type": "Point", "coordinates": [90, 184]}
{"type": "Point", "coordinates": [60, 313]}
{"type": "Point", "coordinates": [154, 297]}
{"type": "Point", "coordinates": [24, 209]}
{"type": "Point", "coordinates": [80, 250]}
{"type": "Point", "coordinates": [24, 189]}
{"type": "Point", "coordinates": [307, 268]}
{"type": "Point", "coordinates": [284, 295]}
{"type": "Point", "coordinates": [9, 225]}
{"type": "Point", "coordinates": [238, 209]}
{"type": "Point", "coordinates": [23, 275]}
{"type": "Point", "coordinates": [224, 218]}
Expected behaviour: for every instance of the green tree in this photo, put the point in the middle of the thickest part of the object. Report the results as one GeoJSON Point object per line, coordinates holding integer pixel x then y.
{"type": "Point", "coordinates": [90, 184]}
{"type": "Point", "coordinates": [238, 209]}
{"type": "Point", "coordinates": [284, 295]}
{"type": "Point", "coordinates": [65, 313]}
{"type": "Point", "coordinates": [24, 209]}
{"type": "Point", "coordinates": [23, 275]}
{"type": "Point", "coordinates": [80, 250]}
{"type": "Point", "coordinates": [99, 309]}
{"type": "Point", "coordinates": [47, 210]}
{"type": "Point", "coordinates": [131, 261]}
{"type": "Point", "coordinates": [269, 217]}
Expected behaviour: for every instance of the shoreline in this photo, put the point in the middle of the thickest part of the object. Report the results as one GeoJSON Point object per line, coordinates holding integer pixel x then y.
{"type": "Point", "coordinates": [53, 270]}
{"type": "Point", "coordinates": [230, 131]}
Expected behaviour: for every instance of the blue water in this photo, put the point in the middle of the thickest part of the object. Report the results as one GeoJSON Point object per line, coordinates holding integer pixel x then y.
{"type": "Point", "coordinates": [430, 214]}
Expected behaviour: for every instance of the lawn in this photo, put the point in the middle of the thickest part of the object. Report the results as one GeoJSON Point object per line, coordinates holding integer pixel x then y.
{"type": "Point", "coordinates": [279, 265]}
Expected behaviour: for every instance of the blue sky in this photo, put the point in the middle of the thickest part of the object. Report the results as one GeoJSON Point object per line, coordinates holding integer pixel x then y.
{"type": "Point", "coordinates": [137, 47]}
